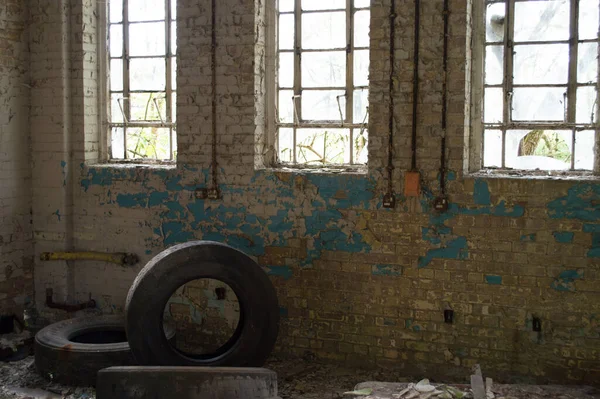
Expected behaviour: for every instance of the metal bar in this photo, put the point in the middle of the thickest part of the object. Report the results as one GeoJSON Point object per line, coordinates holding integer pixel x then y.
{"type": "Point", "coordinates": [571, 106]}
{"type": "Point", "coordinates": [508, 71]}
{"type": "Point", "coordinates": [322, 125]}
{"type": "Point", "coordinates": [297, 69]}
{"type": "Point", "coordinates": [144, 124]}
{"type": "Point", "coordinates": [596, 166]}
{"type": "Point", "coordinates": [540, 125]}
{"type": "Point", "coordinates": [349, 65]}
{"type": "Point", "coordinates": [444, 98]}
{"type": "Point", "coordinates": [126, 85]}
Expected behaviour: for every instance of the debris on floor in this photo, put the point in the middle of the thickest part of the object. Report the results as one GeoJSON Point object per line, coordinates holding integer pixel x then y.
{"type": "Point", "coordinates": [305, 379]}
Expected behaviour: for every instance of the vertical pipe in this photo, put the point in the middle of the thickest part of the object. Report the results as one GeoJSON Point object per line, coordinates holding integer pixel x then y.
{"type": "Point", "coordinates": [444, 99]}
{"type": "Point", "coordinates": [413, 164]}
{"type": "Point", "coordinates": [213, 66]}
{"type": "Point", "coordinates": [390, 166]}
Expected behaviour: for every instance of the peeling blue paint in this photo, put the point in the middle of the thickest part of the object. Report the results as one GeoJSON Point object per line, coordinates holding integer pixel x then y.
{"type": "Point", "coordinates": [455, 249]}
{"type": "Point", "coordinates": [387, 270]}
{"type": "Point", "coordinates": [493, 279]}
{"type": "Point", "coordinates": [132, 200]}
{"type": "Point", "coordinates": [581, 202]}
{"type": "Point", "coordinates": [591, 228]}
{"type": "Point", "coordinates": [528, 237]}
{"type": "Point", "coordinates": [283, 312]}
{"type": "Point", "coordinates": [280, 271]}
{"type": "Point", "coordinates": [481, 193]}
{"type": "Point", "coordinates": [565, 282]}
{"type": "Point", "coordinates": [594, 251]}
{"type": "Point", "coordinates": [563, 237]}
{"type": "Point", "coordinates": [57, 213]}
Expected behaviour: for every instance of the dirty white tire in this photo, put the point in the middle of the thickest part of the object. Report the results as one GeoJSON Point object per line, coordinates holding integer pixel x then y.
{"type": "Point", "coordinates": [186, 383]}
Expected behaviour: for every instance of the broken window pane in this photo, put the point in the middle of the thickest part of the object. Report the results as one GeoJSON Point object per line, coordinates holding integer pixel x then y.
{"type": "Point", "coordinates": [361, 68]}
{"type": "Point", "coordinates": [323, 5]}
{"type": "Point", "coordinates": [361, 104]}
{"type": "Point", "coordinates": [538, 104]}
{"type": "Point", "coordinates": [148, 106]}
{"type": "Point", "coordinates": [286, 144]}
{"type": "Point", "coordinates": [494, 65]}
{"type": "Point", "coordinates": [586, 105]}
{"type": "Point", "coordinates": [325, 30]}
{"type": "Point", "coordinates": [146, 10]}
{"type": "Point", "coordinates": [286, 70]}
{"type": "Point", "coordinates": [147, 73]}
{"type": "Point", "coordinates": [538, 149]}
{"type": "Point", "coordinates": [588, 19]}
{"type": "Point", "coordinates": [148, 142]}
{"type": "Point", "coordinates": [117, 143]}
{"type": "Point", "coordinates": [492, 149]}
{"type": "Point", "coordinates": [286, 32]}
{"type": "Point", "coordinates": [587, 65]}
{"type": "Point", "coordinates": [115, 11]}
{"type": "Point", "coordinates": [323, 146]}
{"type": "Point", "coordinates": [116, 75]}
{"type": "Point", "coordinates": [360, 146]}
{"type": "Point", "coordinates": [541, 64]}
{"type": "Point", "coordinates": [542, 20]}
{"type": "Point", "coordinates": [116, 40]}
{"type": "Point", "coordinates": [285, 5]}
{"type": "Point", "coordinates": [147, 39]}
{"type": "Point", "coordinates": [585, 142]}
{"type": "Point", "coordinates": [286, 106]}
{"type": "Point", "coordinates": [323, 105]}
{"type": "Point", "coordinates": [362, 20]}
{"type": "Point", "coordinates": [324, 69]}
{"type": "Point", "coordinates": [494, 25]}
{"type": "Point", "coordinates": [494, 105]}
{"type": "Point", "coordinates": [117, 107]}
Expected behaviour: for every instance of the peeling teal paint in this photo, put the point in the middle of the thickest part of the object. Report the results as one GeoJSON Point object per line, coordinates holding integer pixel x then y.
{"type": "Point", "coordinates": [565, 282]}
{"type": "Point", "coordinates": [563, 237]}
{"type": "Point", "coordinates": [387, 270]}
{"type": "Point", "coordinates": [132, 200]}
{"type": "Point", "coordinates": [581, 202]}
{"type": "Point", "coordinates": [528, 237]}
{"type": "Point", "coordinates": [454, 249]}
{"type": "Point", "coordinates": [591, 228]}
{"type": "Point", "coordinates": [57, 213]}
{"type": "Point", "coordinates": [481, 193]}
{"type": "Point", "coordinates": [493, 279]}
{"type": "Point", "coordinates": [283, 312]}
{"type": "Point", "coordinates": [594, 251]}
{"type": "Point", "coordinates": [280, 271]}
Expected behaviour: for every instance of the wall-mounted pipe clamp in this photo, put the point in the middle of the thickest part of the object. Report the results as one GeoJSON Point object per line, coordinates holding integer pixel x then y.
{"type": "Point", "coordinates": [120, 258]}
{"type": "Point", "coordinates": [69, 308]}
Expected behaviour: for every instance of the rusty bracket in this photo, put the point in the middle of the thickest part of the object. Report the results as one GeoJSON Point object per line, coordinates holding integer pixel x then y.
{"type": "Point", "coordinates": [63, 306]}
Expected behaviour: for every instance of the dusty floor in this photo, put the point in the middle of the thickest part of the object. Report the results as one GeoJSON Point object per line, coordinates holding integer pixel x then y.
{"type": "Point", "coordinates": [297, 380]}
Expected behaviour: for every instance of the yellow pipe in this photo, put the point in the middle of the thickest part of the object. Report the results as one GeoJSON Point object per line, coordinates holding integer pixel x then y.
{"type": "Point", "coordinates": [120, 258]}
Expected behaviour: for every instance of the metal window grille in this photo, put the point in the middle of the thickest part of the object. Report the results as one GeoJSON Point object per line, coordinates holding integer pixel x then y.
{"type": "Point", "coordinates": [540, 84]}
{"type": "Point", "coordinates": [322, 81]}
{"type": "Point", "coordinates": [142, 79]}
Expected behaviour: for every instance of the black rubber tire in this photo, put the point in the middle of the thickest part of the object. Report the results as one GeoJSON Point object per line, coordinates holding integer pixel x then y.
{"type": "Point", "coordinates": [255, 336]}
{"type": "Point", "coordinates": [60, 359]}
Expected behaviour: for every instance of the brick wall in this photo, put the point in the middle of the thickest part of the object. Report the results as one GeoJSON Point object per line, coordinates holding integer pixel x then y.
{"type": "Point", "coordinates": [357, 284]}
{"type": "Point", "coordinates": [16, 266]}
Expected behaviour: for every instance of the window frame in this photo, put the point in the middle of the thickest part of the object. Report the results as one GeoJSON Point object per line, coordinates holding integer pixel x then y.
{"type": "Point", "coordinates": [349, 88]}
{"type": "Point", "coordinates": [105, 99]}
{"type": "Point", "coordinates": [478, 85]}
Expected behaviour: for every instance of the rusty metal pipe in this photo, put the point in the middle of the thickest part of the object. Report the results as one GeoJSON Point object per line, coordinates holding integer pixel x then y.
{"type": "Point", "coordinates": [120, 258]}
{"type": "Point", "coordinates": [63, 306]}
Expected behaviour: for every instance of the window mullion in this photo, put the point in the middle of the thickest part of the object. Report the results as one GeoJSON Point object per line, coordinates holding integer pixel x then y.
{"type": "Point", "coordinates": [297, 101]}
{"type": "Point", "coordinates": [126, 86]}
{"type": "Point", "coordinates": [350, 70]}
{"type": "Point", "coordinates": [508, 71]}
{"type": "Point", "coordinates": [168, 77]}
{"type": "Point", "coordinates": [572, 87]}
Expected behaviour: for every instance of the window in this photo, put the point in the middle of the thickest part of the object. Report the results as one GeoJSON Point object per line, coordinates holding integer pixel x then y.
{"type": "Point", "coordinates": [142, 81]}
{"type": "Point", "coordinates": [540, 84]}
{"type": "Point", "coordinates": [322, 81]}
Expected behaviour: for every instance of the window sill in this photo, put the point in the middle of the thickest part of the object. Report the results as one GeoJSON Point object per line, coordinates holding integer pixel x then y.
{"type": "Point", "coordinates": [162, 165]}
{"type": "Point", "coordinates": [346, 170]}
{"type": "Point", "coordinates": [533, 175]}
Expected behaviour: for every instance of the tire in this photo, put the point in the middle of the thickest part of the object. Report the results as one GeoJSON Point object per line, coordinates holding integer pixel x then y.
{"type": "Point", "coordinates": [256, 333]}
{"type": "Point", "coordinates": [63, 352]}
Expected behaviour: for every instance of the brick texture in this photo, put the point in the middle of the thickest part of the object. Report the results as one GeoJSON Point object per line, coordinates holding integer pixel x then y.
{"type": "Point", "coordinates": [357, 284]}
